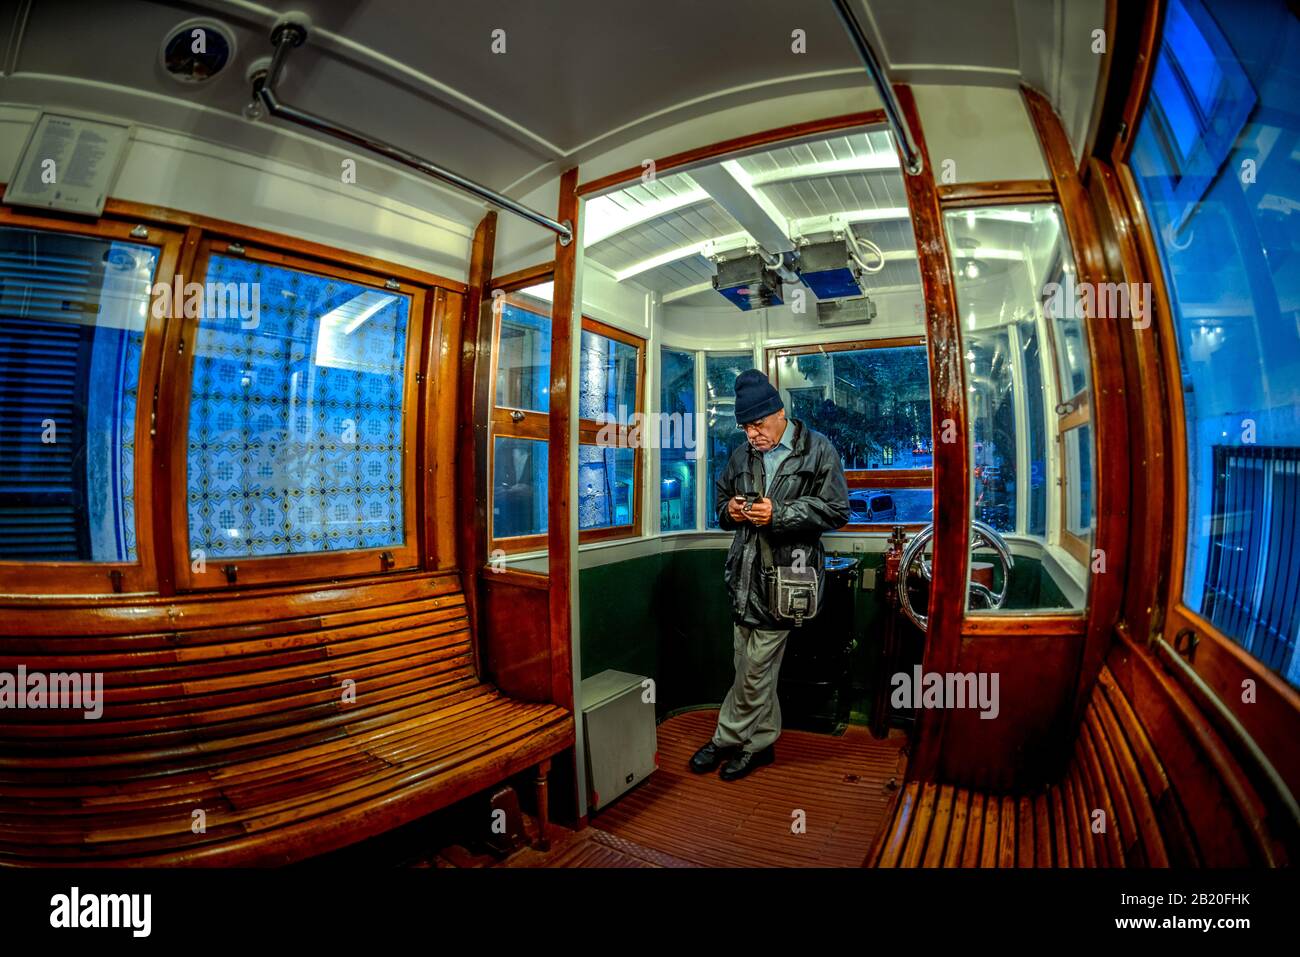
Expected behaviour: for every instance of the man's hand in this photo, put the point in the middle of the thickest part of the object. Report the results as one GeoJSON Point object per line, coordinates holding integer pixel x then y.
{"type": "Point", "coordinates": [735, 510]}
{"type": "Point", "coordinates": [760, 513]}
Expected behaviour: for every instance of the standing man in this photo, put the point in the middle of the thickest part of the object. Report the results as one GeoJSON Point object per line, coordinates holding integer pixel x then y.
{"type": "Point", "coordinates": [802, 494]}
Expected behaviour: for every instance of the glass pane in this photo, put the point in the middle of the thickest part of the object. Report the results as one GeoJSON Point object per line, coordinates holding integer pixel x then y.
{"type": "Point", "coordinates": [518, 487]}
{"type": "Point", "coordinates": [1034, 425]}
{"type": "Point", "coordinates": [873, 404]}
{"type": "Point", "coordinates": [993, 428]}
{"type": "Point", "coordinates": [606, 486]}
{"type": "Point", "coordinates": [720, 372]}
{"type": "Point", "coordinates": [295, 419]}
{"type": "Point", "coordinates": [524, 359]}
{"type": "Point", "coordinates": [1220, 191]}
{"type": "Point", "coordinates": [1025, 352]}
{"type": "Point", "coordinates": [1078, 482]}
{"type": "Point", "coordinates": [678, 441]}
{"type": "Point", "coordinates": [889, 506]}
{"type": "Point", "coordinates": [607, 382]}
{"type": "Point", "coordinates": [72, 319]}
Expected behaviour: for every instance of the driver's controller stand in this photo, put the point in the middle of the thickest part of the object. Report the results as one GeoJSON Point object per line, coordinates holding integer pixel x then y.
{"type": "Point", "coordinates": [901, 643]}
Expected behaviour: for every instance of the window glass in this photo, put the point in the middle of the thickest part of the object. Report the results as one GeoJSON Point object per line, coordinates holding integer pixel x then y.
{"type": "Point", "coordinates": [873, 404]}
{"type": "Point", "coordinates": [524, 360]}
{"type": "Point", "coordinates": [889, 506]}
{"type": "Point", "coordinates": [1034, 478]}
{"type": "Point", "coordinates": [606, 486]}
{"type": "Point", "coordinates": [720, 372]}
{"type": "Point", "coordinates": [72, 319]}
{"type": "Point", "coordinates": [678, 441]}
{"type": "Point", "coordinates": [1025, 355]}
{"type": "Point", "coordinates": [518, 487]}
{"type": "Point", "coordinates": [608, 387]}
{"type": "Point", "coordinates": [295, 417]}
{"type": "Point", "coordinates": [991, 401]}
{"type": "Point", "coordinates": [1078, 481]}
{"type": "Point", "coordinates": [1228, 251]}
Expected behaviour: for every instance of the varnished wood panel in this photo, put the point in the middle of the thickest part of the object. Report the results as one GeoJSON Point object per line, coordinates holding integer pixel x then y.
{"type": "Point", "coordinates": [560, 557]}
{"type": "Point", "coordinates": [516, 641]}
{"type": "Point", "coordinates": [951, 460]}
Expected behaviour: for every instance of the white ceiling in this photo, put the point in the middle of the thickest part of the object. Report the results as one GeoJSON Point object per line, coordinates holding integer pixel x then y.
{"type": "Point", "coordinates": [655, 234]}
{"type": "Point", "coordinates": [578, 77]}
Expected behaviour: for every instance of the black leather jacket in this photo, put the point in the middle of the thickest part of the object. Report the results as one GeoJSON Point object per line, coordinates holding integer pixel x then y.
{"type": "Point", "coordinates": [809, 497]}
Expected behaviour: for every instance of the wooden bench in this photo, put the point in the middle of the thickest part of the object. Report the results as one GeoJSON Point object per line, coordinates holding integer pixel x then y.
{"type": "Point", "coordinates": [1113, 769]}
{"type": "Point", "coordinates": [256, 728]}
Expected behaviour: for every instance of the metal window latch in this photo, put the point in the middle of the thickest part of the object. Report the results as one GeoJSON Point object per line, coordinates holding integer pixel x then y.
{"type": "Point", "coordinates": [231, 572]}
{"type": "Point", "coordinates": [516, 416]}
{"type": "Point", "coordinates": [115, 576]}
{"type": "Point", "coordinates": [1064, 408]}
{"type": "Point", "coordinates": [235, 249]}
{"type": "Point", "coordinates": [386, 560]}
{"type": "Point", "coordinates": [392, 284]}
{"type": "Point", "coordinates": [140, 232]}
{"type": "Point", "coordinates": [1185, 643]}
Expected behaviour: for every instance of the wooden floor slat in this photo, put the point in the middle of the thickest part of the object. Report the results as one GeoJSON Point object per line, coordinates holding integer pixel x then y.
{"type": "Point", "coordinates": [839, 783]}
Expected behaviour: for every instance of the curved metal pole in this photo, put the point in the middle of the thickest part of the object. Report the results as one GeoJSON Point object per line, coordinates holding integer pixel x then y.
{"type": "Point", "coordinates": [893, 113]}
{"type": "Point", "coordinates": [288, 35]}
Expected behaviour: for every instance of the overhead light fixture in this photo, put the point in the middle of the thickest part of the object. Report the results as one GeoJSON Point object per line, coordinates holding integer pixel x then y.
{"type": "Point", "coordinates": [748, 282]}
{"type": "Point", "coordinates": [830, 270]}
{"type": "Point", "coordinates": [972, 270]}
{"type": "Point", "coordinates": [196, 50]}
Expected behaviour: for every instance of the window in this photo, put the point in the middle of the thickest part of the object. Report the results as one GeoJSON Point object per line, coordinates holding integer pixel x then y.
{"type": "Point", "coordinates": [1027, 381]}
{"type": "Point", "coordinates": [609, 437]}
{"type": "Point", "coordinates": [300, 422]}
{"type": "Point", "coordinates": [609, 433]}
{"type": "Point", "coordinates": [1228, 263]}
{"type": "Point", "coordinates": [522, 358]}
{"type": "Point", "coordinates": [872, 400]}
{"type": "Point", "coordinates": [76, 307]}
{"type": "Point", "coordinates": [678, 441]}
{"type": "Point", "coordinates": [722, 436]}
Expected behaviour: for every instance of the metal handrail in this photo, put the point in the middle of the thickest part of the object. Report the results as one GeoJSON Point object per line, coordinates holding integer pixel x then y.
{"type": "Point", "coordinates": [286, 36]}
{"type": "Point", "coordinates": [893, 112]}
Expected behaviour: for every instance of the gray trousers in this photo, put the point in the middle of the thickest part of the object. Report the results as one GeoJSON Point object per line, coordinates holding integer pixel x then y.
{"type": "Point", "coordinates": [751, 714]}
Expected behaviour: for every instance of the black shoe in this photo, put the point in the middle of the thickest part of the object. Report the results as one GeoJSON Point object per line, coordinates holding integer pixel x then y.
{"type": "Point", "coordinates": [747, 761]}
{"type": "Point", "coordinates": [709, 756]}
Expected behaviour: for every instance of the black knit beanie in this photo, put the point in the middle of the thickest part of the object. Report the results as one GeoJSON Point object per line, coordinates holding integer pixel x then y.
{"type": "Point", "coordinates": [755, 397]}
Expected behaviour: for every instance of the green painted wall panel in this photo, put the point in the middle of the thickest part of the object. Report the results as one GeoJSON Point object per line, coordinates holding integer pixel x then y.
{"type": "Point", "coordinates": [667, 617]}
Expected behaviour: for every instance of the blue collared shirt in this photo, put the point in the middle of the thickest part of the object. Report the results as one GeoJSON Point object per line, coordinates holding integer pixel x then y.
{"type": "Point", "coordinates": [774, 456]}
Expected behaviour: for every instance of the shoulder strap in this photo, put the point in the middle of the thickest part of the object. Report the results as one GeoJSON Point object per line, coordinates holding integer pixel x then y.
{"type": "Point", "coordinates": [764, 549]}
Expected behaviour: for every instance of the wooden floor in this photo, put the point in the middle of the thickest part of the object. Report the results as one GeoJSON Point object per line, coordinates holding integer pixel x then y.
{"type": "Point", "coordinates": [841, 784]}
{"type": "Point", "coordinates": [679, 819]}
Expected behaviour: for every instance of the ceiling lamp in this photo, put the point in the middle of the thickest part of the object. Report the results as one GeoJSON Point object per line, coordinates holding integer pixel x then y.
{"type": "Point", "coordinates": [195, 51]}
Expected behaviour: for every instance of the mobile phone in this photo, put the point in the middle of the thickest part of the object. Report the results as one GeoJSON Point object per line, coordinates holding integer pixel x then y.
{"type": "Point", "coordinates": [750, 499]}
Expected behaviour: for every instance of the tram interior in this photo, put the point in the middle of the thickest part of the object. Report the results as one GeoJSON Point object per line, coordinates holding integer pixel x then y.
{"type": "Point", "coordinates": [393, 538]}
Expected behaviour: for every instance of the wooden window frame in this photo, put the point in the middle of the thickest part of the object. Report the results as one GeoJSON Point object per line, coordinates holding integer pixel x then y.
{"type": "Point", "coordinates": [866, 478]}
{"type": "Point", "coordinates": [590, 429]}
{"type": "Point", "coordinates": [279, 569]}
{"type": "Point", "coordinates": [1079, 414]}
{"type": "Point", "coordinates": [432, 347]}
{"type": "Point", "coordinates": [534, 425]}
{"type": "Point", "coordinates": [531, 424]}
{"type": "Point", "coordinates": [98, 578]}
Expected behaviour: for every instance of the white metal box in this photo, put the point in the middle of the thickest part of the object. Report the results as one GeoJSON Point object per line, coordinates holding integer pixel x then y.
{"type": "Point", "coordinates": [622, 746]}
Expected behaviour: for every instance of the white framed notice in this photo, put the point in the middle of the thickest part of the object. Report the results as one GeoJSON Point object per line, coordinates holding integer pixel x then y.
{"type": "Point", "coordinates": [70, 163]}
